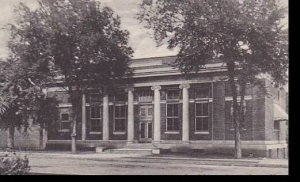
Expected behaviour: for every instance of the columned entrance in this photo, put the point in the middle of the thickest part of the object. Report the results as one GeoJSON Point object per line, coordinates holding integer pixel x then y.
{"type": "Point", "coordinates": [145, 123]}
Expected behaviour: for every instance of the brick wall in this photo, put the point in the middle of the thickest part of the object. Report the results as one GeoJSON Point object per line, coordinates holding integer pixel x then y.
{"type": "Point", "coordinates": [246, 133]}
{"type": "Point", "coordinates": [54, 133]}
{"type": "Point", "coordinates": [283, 100]}
{"type": "Point", "coordinates": [279, 96]}
{"type": "Point", "coordinates": [258, 113]}
{"type": "Point", "coordinates": [258, 125]}
{"type": "Point", "coordinates": [259, 116]}
{"type": "Point", "coordinates": [229, 127]}
{"type": "Point", "coordinates": [246, 127]}
{"type": "Point", "coordinates": [269, 113]}
{"type": "Point", "coordinates": [287, 102]}
{"type": "Point", "coordinates": [218, 111]}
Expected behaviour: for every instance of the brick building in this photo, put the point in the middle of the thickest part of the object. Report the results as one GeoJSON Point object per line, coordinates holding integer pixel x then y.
{"type": "Point", "coordinates": [158, 106]}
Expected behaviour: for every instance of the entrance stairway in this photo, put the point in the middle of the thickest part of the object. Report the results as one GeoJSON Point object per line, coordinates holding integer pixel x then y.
{"type": "Point", "coordinates": [136, 148]}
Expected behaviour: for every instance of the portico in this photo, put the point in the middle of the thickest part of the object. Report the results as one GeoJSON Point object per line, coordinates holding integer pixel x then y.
{"type": "Point", "coordinates": [149, 115]}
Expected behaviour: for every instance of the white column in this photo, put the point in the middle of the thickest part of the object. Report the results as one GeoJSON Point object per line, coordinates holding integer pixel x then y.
{"type": "Point", "coordinates": [156, 113]}
{"type": "Point", "coordinates": [130, 116]}
{"type": "Point", "coordinates": [83, 118]}
{"type": "Point", "coordinates": [185, 112]}
{"type": "Point", "coordinates": [105, 129]}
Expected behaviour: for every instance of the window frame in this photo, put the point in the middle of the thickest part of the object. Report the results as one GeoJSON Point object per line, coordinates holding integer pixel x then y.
{"type": "Point", "coordinates": [60, 129]}
{"type": "Point", "coordinates": [100, 120]}
{"type": "Point", "coordinates": [172, 117]}
{"type": "Point", "coordinates": [119, 118]}
{"type": "Point", "coordinates": [202, 116]}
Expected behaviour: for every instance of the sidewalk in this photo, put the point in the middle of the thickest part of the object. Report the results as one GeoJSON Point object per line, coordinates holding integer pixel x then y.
{"type": "Point", "coordinates": [263, 162]}
{"type": "Point", "coordinates": [65, 154]}
{"type": "Point", "coordinates": [248, 162]}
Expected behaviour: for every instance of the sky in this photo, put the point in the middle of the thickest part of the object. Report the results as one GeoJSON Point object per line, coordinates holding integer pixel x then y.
{"type": "Point", "coordinates": [140, 38]}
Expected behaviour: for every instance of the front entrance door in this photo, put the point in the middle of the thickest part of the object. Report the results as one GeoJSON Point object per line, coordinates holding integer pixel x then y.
{"type": "Point", "coordinates": [145, 125]}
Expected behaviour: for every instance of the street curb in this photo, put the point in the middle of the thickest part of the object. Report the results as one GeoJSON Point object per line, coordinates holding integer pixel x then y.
{"type": "Point", "coordinates": [228, 162]}
{"type": "Point", "coordinates": [206, 159]}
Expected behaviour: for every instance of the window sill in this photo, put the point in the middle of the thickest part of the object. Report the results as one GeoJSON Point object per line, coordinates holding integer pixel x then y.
{"type": "Point", "coordinates": [201, 132]}
{"type": "Point", "coordinates": [95, 133]}
{"type": "Point", "coordinates": [172, 132]}
{"type": "Point", "coordinates": [242, 129]}
{"type": "Point", "coordinates": [64, 131]}
{"type": "Point", "coordinates": [172, 101]}
{"type": "Point", "coordinates": [229, 98]}
{"type": "Point", "coordinates": [119, 132]}
{"type": "Point", "coordinates": [203, 100]}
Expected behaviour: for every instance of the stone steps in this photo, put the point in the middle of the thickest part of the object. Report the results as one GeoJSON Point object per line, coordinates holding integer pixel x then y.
{"type": "Point", "coordinates": [133, 151]}
{"type": "Point", "coordinates": [135, 148]}
{"type": "Point", "coordinates": [140, 146]}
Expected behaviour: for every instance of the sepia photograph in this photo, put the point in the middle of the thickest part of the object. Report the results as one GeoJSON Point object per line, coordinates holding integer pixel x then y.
{"type": "Point", "coordinates": [144, 87]}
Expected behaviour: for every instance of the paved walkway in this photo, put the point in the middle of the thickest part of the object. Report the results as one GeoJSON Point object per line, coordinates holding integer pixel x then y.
{"type": "Point", "coordinates": [247, 162]}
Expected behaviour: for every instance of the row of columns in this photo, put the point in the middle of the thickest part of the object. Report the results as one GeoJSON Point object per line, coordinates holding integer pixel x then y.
{"type": "Point", "coordinates": [130, 115]}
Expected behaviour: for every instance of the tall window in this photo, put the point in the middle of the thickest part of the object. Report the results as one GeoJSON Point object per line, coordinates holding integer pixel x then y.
{"type": "Point", "coordinates": [96, 119]}
{"type": "Point", "coordinates": [201, 117]}
{"type": "Point", "coordinates": [64, 125]}
{"type": "Point", "coordinates": [172, 117]}
{"type": "Point", "coordinates": [120, 119]}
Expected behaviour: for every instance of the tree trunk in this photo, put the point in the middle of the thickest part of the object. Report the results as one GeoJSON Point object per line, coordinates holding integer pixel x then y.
{"type": "Point", "coordinates": [11, 137]}
{"type": "Point", "coordinates": [74, 116]}
{"type": "Point", "coordinates": [75, 112]}
{"type": "Point", "coordinates": [238, 148]}
{"type": "Point", "coordinates": [41, 137]}
{"type": "Point", "coordinates": [242, 106]}
{"type": "Point", "coordinates": [73, 134]}
{"type": "Point", "coordinates": [237, 138]}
